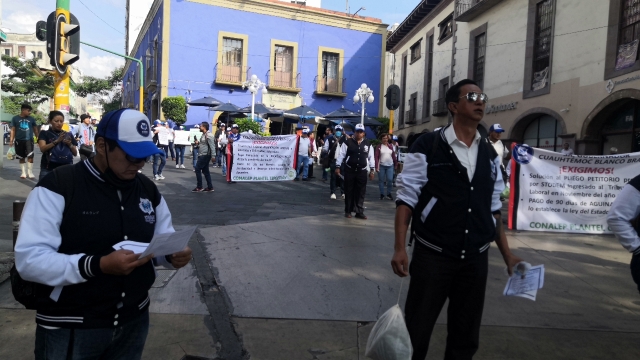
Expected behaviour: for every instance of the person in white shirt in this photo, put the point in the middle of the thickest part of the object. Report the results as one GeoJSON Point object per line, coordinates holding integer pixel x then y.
{"type": "Point", "coordinates": [503, 154]}
{"type": "Point", "coordinates": [566, 150]}
{"type": "Point", "coordinates": [304, 152]}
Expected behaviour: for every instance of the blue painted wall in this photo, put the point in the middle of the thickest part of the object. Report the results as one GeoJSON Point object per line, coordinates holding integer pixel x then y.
{"type": "Point", "coordinates": [132, 91]}
{"type": "Point", "coordinates": [194, 46]}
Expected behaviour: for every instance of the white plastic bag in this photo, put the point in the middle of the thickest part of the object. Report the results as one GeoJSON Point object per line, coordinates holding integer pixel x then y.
{"type": "Point", "coordinates": [11, 154]}
{"type": "Point", "coordinates": [389, 338]}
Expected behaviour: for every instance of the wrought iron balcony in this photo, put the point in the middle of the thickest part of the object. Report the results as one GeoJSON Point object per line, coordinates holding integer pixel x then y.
{"type": "Point", "coordinates": [439, 108]}
{"type": "Point", "coordinates": [283, 81]}
{"type": "Point", "coordinates": [330, 87]}
{"type": "Point", "coordinates": [230, 74]}
{"type": "Point", "coordinates": [467, 10]}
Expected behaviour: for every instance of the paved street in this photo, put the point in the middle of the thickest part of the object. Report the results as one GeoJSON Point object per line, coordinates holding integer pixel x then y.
{"type": "Point", "coordinates": [278, 273]}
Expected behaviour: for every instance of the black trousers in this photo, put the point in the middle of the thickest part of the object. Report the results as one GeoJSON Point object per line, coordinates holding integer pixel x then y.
{"type": "Point", "coordinates": [434, 279]}
{"type": "Point", "coordinates": [635, 269]}
{"type": "Point", "coordinates": [355, 188]}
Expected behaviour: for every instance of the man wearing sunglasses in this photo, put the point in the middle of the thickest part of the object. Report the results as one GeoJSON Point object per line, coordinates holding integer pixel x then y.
{"type": "Point", "coordinates": [449, 191]}
{"type": "Point", "coordinates": [92, 300]}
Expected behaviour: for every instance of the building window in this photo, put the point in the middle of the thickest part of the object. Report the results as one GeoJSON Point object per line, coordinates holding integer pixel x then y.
{"type": "Point", "coordinates": [622, 131]}
{"type": "Point", "coordinates": [446, 29]}
{"type": "Point", "coordinates": [403, 90]}
{"type": "Point", "coordinates": [539, 51]}
{"type": "Point", "coordinates": [477, 54]}
{"type": "Point", "coordinates": [542, 45]}
{"type": "Point", "coordinates": [330, 70]}
{"type": "Point", "coordinates": [39, 54]}
{"type": "Point", "coordinates": [413, 109]}
{"type": "Point", "coordinates": [284, 65]}
{"type": "Point", "coordinates": [623, 37]}
{"type": "Point", "coordinates": [416, 51]}
{"type": "Point", "coordinates": [33, 54]}
{"type": "Point", "coordinates": [232, 58]}
{"type": "Point", "coordinates": [7, 52]}
{"type": "Point", "coordinates": [428, 77]}
{"type": "Point", "coordinates": [440, 105]}
{"type": "Point", "coordinates": [543, 133]}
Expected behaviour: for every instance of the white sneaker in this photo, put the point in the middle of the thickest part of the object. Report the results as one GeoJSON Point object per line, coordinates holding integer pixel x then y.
{"type": "Point", "coordinates": [156, 177]}
{"type": "Point", "coordinates": [182, 166]}
{"type": "Point", "coordinates": [160, 177]}
{"type": "Point", "coordinates": [333, 196]}
{"type": "Point", "coordinates": [342, 196]}
{"type": "Point", "coordinates": [177, 166]}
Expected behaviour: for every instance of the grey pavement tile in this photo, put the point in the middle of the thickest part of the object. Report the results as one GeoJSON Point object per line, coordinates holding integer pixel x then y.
{"type": "Point", "coordinates": [181, 295]}
{"type": "Point", "coordinates": [17, 334]}
{"type": "Point", "coordinates": [268, 339]}
{"type": "Point", "coordinates": [171, 337]}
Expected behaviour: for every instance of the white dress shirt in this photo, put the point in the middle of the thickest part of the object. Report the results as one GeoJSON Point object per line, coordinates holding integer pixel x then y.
{"type": "Point", "coordinates": [468, 156]}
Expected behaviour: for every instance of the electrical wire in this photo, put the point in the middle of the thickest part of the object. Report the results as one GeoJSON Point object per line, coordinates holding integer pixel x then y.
{"type": "Point", "coordinates": [96, 15]}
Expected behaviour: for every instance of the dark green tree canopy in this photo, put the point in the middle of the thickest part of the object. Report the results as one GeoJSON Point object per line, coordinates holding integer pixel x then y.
{"type": "Point", "coordinates": [175, 108]}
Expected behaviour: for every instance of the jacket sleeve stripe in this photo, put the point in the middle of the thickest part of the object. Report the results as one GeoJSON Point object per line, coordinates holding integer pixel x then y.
{"type": "Point", "coordinates": [625, 208]}
{"type": "Point", "coordinates": [412, 178]}
{"type": "Point", "coordinates": [36, 253]}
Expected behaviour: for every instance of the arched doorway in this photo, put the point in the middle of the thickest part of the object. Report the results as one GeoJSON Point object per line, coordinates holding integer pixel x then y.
{"type": "Point", "coordinates": [622, 130]}
{"type": "Point", "coordinates": [539, 127]}
{"type": "Point", "coordinates": [543, 133]}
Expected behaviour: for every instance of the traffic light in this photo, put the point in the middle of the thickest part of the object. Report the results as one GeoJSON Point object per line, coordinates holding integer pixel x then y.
{"type": "Point", "coordinates": [63, 41]}
{"type": "Point", "coordinates": [41, 30]}
{"type": "Point", "coordinates": [393, 97]}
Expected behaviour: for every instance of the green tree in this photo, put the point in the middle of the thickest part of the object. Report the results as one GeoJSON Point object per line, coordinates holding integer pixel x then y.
{"type": "Point", "coordinates": [26, 82]}
{"type": "Point", "coordinates": [103, 87]}
{"type": "Point", "coordinates": [175, 108]}
{"type": "Point", "coordinates": [384, 129]}
{"type": "Point", "coordinates": [114, 103]}
{"type": "Point", "coordinates": [246, 124]}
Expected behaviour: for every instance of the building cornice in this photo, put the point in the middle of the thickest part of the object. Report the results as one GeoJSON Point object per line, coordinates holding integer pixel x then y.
{"type": "Point", "coordinates": [420, 25]}
{"type": "Point", "coordinates": [302, 13]}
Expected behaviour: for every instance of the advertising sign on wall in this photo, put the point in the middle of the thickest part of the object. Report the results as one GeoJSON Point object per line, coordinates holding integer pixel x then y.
{"type": "Point", "coordinates": [554, 192]}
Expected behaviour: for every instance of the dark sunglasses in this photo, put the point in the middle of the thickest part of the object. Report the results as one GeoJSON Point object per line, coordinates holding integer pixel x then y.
{"type": "Point", "coordinates": [474, 96]}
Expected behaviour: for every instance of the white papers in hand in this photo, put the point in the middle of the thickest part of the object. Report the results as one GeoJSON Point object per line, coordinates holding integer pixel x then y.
{"type": "Point", "coordinates": [527, 287]}
{"type": "Point", "coordinates": [160, 245]}
{"type": "Point", "coordinates": [169, 243]}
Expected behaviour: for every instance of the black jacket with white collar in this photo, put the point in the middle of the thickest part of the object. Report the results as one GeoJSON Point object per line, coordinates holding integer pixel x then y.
{"type": "Point", "coordinates": [451, 215]}
{"type": "Point", "coordinates": [60, 244]}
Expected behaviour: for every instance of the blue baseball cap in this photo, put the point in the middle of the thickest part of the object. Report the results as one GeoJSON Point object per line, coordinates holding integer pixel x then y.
{"type": "Point", "coordinates": [131, 130]}
{"type": "Point", "coordinates": [497, 128]}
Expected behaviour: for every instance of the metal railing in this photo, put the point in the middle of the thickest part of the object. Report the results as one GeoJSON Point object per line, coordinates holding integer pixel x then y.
{"type": "Point", "coordinates": [326, 85]}
{"type": "Point", "coordinates": [439, 107]}
{"type": "Point", "coordinates": [230, 73]}
{"type": "Point", "coordinates": [283, 79]}
{"type": "Point", "coordinates": [463, 6]}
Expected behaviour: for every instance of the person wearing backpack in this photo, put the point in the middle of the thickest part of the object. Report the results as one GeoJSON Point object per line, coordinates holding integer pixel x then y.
{"type": "Point", "coordinates": [92, 301]}
{"type": "Point", "coordinates": [449, 191]}
{"type": "Point", "coordinates": [58, 147]}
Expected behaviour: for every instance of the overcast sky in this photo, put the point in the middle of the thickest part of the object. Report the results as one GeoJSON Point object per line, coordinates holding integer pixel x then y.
{"type": "Point", "coordinates": [102, 23]}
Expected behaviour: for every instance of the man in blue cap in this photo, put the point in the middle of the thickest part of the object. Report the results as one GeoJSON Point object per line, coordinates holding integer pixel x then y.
{"type": "Point", "coordinates": [92, 301]}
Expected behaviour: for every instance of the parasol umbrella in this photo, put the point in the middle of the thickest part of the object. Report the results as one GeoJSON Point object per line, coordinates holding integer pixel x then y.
{"type": "Point", "coordinates": [226, 108]}
{"type": "Point", "coordinates": [367, 121]}
{"type": "Point", "coordinates": [206, 101]}
{"type": "Point", "coordinates": [342, 113]}
{"type": "Point", "coordinates": [303, 111]}
{"type": "Point", "coordinates": [258, 109]}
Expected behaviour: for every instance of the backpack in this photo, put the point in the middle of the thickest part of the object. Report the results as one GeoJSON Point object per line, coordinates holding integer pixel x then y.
{"type": "Point", "coordinates": [30, 294]}
{"type": "Point", "coordinates": [61, 153]}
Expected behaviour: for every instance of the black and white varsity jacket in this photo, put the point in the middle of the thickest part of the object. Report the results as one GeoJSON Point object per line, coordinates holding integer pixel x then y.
{"type": "Point", "coordinates": [60, 244]}
{"type": "Point", "coordinates": [451, 215]}
{"type": "Point", "coordinates": [624, 210]}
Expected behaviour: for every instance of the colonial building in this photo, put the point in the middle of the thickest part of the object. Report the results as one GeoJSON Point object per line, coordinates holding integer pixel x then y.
{"type": "Point", "coordinates": [556, 71]}
{"type": "Point", "coordinates": [305, 55]}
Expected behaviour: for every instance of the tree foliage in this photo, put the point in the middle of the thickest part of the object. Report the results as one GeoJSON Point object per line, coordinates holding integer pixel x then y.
{"type": "Point", "coordinates": [114, 103]}
{"type": "Point", "coordinates": [175, 108]}
{"type": "Point", "coordinates": [104, 87]}
{"type": "Point", "coordinates": [384, 129]}
{"type": "Point", "coordinates": [246, 124]}
{"type": "Point", "coordinates": [26, 82]}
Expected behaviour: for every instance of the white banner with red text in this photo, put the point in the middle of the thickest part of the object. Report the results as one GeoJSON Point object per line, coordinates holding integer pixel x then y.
{"type": "Point", "coordinates": [573, 194]}
{"type": "Point", "coordinates": [259, 158]}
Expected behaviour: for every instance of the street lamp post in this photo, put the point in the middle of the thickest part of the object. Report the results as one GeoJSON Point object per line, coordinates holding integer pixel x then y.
{"type": "Point", "coordinates": [254, 84]}
{"type": "Point", "coordinates": [363, 95]}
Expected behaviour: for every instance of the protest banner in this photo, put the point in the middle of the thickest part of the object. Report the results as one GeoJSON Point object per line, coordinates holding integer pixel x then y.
{"type": "Point", "coordinates": [572, 194]}
{"type": "Point", "coordinates": [258, 158]}
{"type": "Point", "coordinates": [163, 136]}
{"type": "Point", "coordinates": [182, 137]}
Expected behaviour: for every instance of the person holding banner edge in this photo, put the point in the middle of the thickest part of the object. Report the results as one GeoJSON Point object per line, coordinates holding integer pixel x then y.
{"type": "Point", "coordinates": [233, 136]}
{"type": "Point", "coordinates": [449, 191]}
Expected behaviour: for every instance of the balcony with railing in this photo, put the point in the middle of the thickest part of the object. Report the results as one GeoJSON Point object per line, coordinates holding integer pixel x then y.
{"type": "Point", "coordinates": [233, 75]}
{"type": "Point", "coordinates": [467, 10]}
{"type": "Point", "coordinates": [330, 87]}
{"type": "Point", "coordinates": [439, 107]}
{"type": "Point", "coordinates": [283, 81]}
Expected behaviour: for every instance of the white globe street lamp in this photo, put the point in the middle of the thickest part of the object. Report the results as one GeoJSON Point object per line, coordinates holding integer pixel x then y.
{"type": "Point", "coordinates": [363, 95]}
{"type": "Point", "coordinates": [254, 84]}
